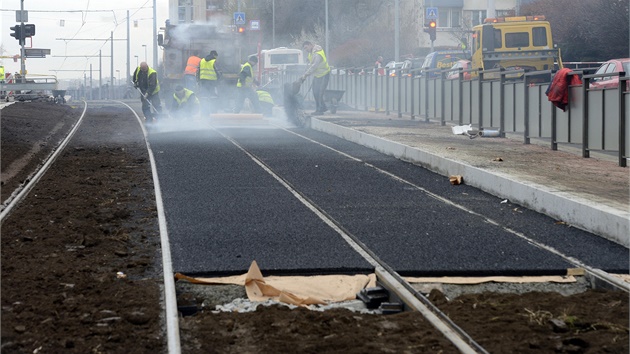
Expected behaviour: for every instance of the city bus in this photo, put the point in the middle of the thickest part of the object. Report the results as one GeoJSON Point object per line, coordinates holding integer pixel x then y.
{"type": "Point", "coordinates": [515, 43]}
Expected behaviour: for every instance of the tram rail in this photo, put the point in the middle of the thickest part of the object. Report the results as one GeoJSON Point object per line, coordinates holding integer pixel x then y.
{"type": "Point", "coordinates": [387, 277]}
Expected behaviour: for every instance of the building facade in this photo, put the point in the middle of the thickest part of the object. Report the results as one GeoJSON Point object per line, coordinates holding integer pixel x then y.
{"type": "Point", "coordinates": [455, 18]}
{"type": "Point", "coordinates": [197, 11]}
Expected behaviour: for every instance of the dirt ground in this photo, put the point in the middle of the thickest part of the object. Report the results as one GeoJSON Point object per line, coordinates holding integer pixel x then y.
{"type": "Point", "coordinates": [81, 269]}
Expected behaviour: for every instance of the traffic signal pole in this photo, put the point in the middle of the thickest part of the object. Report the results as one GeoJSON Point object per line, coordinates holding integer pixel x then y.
{"type": "Point", "coordinates": [431, 29]}
{"type": "Point", "coordinates": [22, 40]}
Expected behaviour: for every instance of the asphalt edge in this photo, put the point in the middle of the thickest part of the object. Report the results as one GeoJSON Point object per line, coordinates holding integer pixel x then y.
{"type": "Point", "coordinates": [606, 222]}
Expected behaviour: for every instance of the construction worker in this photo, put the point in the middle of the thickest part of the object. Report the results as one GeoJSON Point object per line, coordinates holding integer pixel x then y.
{"type": "Point", "coordinates": [244, 86]}
{"type": "Point", "coordinates": [318, 67]}
{"type": "Point", "coordinates": [184, 103]}
{"type": "Point", "coordinates": [208, 77]}
{"type": "Point", "coordinates": [190, 72]}
{"type": "Point", "coordinates": [146, 79]}
{"type": "Point", "coordinates": [266, 102]}
{"type": "Point", "coordinates": [1, 73]}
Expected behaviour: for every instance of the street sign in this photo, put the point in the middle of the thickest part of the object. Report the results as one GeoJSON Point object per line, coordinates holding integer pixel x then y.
{"type": "Point", "coordinates": [432, 13]}
{"type": "Point", "coordinates": [21, 16]}
{"type": "Point", "coordinates": [36, 52]}
{"type": "Point", "coordinates": [254, 25]}
{"type": "Point", "coordinates": [239, 18]}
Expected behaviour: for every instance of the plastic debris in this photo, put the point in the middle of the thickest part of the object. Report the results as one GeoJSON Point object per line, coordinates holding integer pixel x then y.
{"type": "Point", "coordinates": [462, 129]}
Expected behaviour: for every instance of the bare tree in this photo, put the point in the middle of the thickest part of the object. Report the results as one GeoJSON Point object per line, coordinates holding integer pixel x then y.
{"type": "Point", "coordinates": [594, 30]}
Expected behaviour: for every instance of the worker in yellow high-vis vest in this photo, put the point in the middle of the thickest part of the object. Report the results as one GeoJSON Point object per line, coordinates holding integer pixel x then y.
{"type": "Point", "coordinates": [266, 102]}
{"type": "Point", "coordinates": [318, 67]}
{"type": "Point", "coordinates": [146, 79]}
{"type": "Point", "coordinates": [184, 103]}
{"type": "Point", "coordinates": [208, 77]}
{"type": "Point", "coordinates": [244, 86]}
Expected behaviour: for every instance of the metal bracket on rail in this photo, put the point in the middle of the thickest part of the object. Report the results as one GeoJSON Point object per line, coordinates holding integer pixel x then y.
{"type": "Point", "coordinates": [379, 297]}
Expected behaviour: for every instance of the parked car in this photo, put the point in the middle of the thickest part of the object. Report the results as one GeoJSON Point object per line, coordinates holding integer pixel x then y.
{"type": "Point", "coordinates": [443, 59]}
{"type": "Point", "coordinates": [392, 67]}
{"type": "Point", "coordinates": [453, 74]}
{"type": "Point", "coordinates": [411, 67]}
{"type": "Point", "coordinates": [612, 66]}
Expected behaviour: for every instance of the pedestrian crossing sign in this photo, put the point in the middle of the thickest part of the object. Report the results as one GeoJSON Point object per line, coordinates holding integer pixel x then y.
{"type": "Point", "coordinates": [239, 18]}
{"type": "Point", "coordinates": [432, 13]}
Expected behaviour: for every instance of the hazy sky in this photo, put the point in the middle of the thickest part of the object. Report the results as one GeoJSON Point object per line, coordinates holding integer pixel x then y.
{"type": "Point", "coordinates": [62, 26]}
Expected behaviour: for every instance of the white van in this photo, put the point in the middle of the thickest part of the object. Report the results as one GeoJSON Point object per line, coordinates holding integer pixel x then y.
{"type": "Point", "coordinates": [271, 61]}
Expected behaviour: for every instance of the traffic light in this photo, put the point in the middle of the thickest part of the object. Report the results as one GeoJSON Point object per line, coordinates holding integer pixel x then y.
{"type": "Point", "coordinates": [29, 30]}
{"type": "Point", "coordinates": [17, 33]}
{"type": "Point", "coordinates": [430, 29]}
{"type": "Point", "coordinates": [240, 29]}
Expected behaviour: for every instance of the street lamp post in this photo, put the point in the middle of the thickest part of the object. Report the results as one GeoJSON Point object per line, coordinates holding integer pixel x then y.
{"type": "Point", "coordinates": [137, 64]}
{"type": "Point", "coordinates": [273, 23]}
{"type": "Point", "coordinates": [145, 52]}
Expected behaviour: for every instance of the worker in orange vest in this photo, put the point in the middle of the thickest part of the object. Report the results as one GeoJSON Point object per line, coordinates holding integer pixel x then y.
{"type": "Point", "coordinates": [190, 72]}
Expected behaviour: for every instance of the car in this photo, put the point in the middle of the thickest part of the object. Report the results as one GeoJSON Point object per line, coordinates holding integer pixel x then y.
{"type": "Point", "coordinates": [453, 74]}
{"type": "Point", "coordinates": [442, 59]}
{"type": "Point", "coordinates": [412, 66]}
{"type": "Point", "coordinates": [393, 66]}
{"type": "Point", "coordinates": [612, 66]}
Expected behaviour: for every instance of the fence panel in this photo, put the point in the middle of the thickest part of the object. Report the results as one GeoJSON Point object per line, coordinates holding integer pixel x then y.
{"type": "Point", "coordinates": [596, 108]}
{"type": "Point", "coordinates": [513, 106]}
{"type": "Point", "coordinates": [611, 120]}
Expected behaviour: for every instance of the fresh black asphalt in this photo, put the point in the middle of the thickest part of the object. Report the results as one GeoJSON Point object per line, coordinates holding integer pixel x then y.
{"type": "Point", "coordinates": [224, 211]}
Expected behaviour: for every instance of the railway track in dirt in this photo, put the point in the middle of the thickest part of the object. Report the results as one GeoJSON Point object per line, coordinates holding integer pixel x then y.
{"type": "Point", "coordinates": [393, 290]}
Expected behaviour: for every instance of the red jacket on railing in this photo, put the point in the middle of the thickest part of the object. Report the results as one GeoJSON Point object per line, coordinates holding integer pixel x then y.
{"type": "Point", "coordinates": [558, 91]}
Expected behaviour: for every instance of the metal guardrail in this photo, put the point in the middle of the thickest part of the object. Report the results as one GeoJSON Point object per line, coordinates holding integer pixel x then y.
{"type": "Point", "coordinates": [32, 83]}
{"type": "Point", "coordinates": [508, 101]}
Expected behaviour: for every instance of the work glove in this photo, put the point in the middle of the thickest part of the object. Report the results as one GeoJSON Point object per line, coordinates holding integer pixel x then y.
{"type": "Point", "coordinates": [302, 78]}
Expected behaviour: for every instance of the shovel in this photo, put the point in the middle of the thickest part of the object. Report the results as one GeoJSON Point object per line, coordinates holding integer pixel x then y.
{"type": "Point", "coordinates": [157, 113]}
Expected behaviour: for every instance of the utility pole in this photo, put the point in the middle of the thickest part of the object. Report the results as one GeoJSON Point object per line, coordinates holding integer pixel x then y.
{"type": "Point", "coordinates": [128, 79]}
{"type": "Point", "coordinates": [273, 23]}
{"type": "Point", "coordinates": [111, 81]}
{"type": "Point", "coordinates": [326, 30]}
{"type": "Point", "coordinates": [397, 31]}
{"type": "Point", "coordinates": [155, 58]}
{"type": "Point", "coordinates": [100, 76]}
{"type": "Point", "coordinates": [491, 9]}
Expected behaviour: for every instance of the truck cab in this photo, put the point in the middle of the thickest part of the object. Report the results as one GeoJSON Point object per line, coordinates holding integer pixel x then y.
{"type": "Point", "coordinates": [514, 44]}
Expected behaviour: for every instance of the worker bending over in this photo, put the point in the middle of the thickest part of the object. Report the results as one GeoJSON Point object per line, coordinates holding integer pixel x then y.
{"type": "Point", "coordinates": [184, 103]}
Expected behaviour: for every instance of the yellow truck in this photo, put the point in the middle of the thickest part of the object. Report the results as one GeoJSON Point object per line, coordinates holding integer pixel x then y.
{"type": "Point", "coordinates": [515, 43]}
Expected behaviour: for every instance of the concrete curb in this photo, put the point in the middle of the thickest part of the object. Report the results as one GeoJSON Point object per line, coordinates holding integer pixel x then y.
{"type": "Point", "coordinates": [606, 222]}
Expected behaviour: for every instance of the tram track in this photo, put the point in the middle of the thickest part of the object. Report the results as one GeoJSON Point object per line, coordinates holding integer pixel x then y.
{"type": "Point", "coordinates": [395, 284]}
{"type": "Point", "coordinates": [385, 274]}
{"type": "Point", "coordinates": [387, 277]}
{"type": "Point", "coordinates": [23, 189]}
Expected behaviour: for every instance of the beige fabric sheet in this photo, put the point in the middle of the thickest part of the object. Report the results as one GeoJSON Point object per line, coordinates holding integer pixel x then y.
{"type": "Point", "coordinates": [300, 291]}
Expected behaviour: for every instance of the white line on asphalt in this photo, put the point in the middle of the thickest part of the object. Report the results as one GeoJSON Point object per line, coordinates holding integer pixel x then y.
{"type": "Point", "coordinates": [409, 298]}
{"type": "Point", "coordinates": [535, 243]}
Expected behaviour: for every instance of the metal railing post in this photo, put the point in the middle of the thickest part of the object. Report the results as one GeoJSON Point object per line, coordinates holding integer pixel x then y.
{"type": "Point", "coordinates": [623, 82]}
{"type": "Point", "coordinates": [585, 149]}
